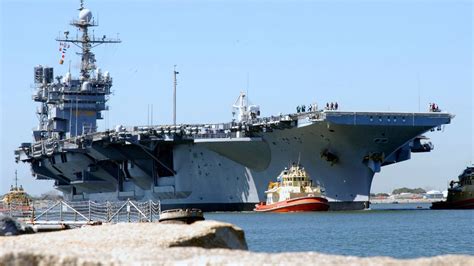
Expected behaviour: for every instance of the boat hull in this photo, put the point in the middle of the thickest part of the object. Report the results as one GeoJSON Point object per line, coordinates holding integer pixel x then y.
{"type": "Point", "coordinates": [461, 204]}
{"type": "Point", "coordinates": [17, 211]}
{"type": "Point", "coordinates": [305, 204]}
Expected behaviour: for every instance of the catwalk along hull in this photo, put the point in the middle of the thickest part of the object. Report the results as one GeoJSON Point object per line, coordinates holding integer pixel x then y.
{"type": "Point", "coordinates": [340, 150]}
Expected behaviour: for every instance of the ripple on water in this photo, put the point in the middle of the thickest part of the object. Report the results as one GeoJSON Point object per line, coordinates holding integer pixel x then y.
{"type": "Point", "coordinates": [395, 230]}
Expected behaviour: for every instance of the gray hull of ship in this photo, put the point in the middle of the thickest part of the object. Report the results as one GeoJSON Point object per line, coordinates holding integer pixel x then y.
{"type": "Point", "coordinates": [218, 174]}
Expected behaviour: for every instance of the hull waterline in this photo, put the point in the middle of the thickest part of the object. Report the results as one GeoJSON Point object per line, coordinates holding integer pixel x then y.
{"type": "Point", "coordinates": [462, 204]}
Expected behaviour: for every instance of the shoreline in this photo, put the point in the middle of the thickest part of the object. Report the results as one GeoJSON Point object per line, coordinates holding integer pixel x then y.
{"type": "Point", "coordinates": [411, 201]}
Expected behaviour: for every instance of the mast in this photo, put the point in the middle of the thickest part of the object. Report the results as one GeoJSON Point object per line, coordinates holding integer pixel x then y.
{"type": "Point", "coordinates": [16, 179]}
{"type": "Point", "coordinates": [86, 42]}
{"type": "Point", "coordinates": [175, 83]}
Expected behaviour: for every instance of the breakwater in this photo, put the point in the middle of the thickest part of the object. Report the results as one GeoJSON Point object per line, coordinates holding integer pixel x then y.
{"type": "Point", "coordinates": [205, 242]}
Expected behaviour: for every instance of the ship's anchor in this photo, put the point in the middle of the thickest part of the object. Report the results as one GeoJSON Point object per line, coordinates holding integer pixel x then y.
{"type": "Point", "coordinates": [374, 161]}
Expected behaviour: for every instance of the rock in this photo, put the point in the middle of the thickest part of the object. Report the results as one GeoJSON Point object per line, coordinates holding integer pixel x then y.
{"type": "Point", "coordinates": [213, 235]}
{"type": "Point", "coordinates": [117, 244]}
{"type": "Point", "coordinates": [201, 243]}
{"type": "Point", "coordinates": [11, 227]}
{"type": "Point", "coordinates": [8, 226]}
{"type": "Point", "coordinates": [205, 234]}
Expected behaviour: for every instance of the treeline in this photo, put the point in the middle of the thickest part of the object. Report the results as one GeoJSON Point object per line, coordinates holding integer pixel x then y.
{"type": "Point", "coordinates": [50, 195]}
{"type": "Point", "coordinates": [400, 191]}
{"type": "Point", "coordinates": [408, 190]}
{"type": "Point", "coordinates": [379, 195]}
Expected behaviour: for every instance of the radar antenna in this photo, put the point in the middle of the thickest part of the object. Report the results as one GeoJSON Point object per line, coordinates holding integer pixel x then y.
{"type": "Point", "coordinates": [86, 42]}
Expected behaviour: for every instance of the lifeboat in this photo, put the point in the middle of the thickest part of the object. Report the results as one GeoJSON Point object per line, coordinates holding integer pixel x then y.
{"type": "Point", "coordinates": [293, 192]}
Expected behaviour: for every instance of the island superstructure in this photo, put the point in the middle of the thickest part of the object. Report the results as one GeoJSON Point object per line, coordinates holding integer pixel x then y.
{"type": "Point", "coordinates": [215, 167]}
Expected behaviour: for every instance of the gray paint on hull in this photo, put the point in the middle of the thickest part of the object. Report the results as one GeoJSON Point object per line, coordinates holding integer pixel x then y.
{"type": "Point", "coordinates": [211, 177]}
{"type": "Point", "coordinates": [229, 172]}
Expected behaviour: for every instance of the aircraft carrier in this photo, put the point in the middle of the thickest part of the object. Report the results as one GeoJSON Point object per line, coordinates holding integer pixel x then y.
{"type": "Point", "coordinates": [215, 167]}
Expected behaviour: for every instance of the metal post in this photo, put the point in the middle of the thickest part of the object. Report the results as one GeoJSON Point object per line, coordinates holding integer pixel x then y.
{"type": "Point", "coordinates": [150, 205]}
{"type": "Point", "coordinates": [175, 83]}
{"type": "Point", "coordinates": [76, 115]}
{"type": "Point", "coordinates": [70, 117]}
{"type": "Point", "coordinates": [128, 210]}
{"type": "Point", "coordinates": [33, 212]}
{"type": "Point", "coordinates": [107, 210]}
{"type": "Point", "coordinates": [117, 215]}
{"type": "Point", "coordinates": [61, 211]}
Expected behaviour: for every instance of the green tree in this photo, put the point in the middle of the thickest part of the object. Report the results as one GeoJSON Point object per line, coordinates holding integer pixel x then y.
{"type": "Point", "coordinates": [408, 190]}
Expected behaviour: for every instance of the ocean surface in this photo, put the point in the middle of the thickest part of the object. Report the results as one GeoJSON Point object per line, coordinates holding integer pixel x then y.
{"type": "Point", "coordinates": [394, 230]}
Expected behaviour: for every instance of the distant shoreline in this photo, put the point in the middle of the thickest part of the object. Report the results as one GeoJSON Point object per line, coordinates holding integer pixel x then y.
{"type": "Point", "coordinates": [391, 201]}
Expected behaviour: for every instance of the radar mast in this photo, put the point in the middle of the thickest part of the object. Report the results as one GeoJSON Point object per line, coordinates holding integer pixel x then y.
{"type": "Point", "coordinates": [86, 42]}
{"type": "Point", "coordinates": [73, 105]}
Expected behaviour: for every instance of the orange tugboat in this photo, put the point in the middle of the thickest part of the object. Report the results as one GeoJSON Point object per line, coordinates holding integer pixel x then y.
{"type": "Point", "coordinates": [293, 192]}
{"type": "Point", "coordinates": [460, 193]}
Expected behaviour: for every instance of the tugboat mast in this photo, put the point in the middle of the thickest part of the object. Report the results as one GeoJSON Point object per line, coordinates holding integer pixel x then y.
{"type": "Point", "coordinates": [16, 179]}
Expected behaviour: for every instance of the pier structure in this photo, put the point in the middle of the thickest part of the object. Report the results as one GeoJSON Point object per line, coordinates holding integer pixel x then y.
{"type": "Point", "coordinates": [57, 215]}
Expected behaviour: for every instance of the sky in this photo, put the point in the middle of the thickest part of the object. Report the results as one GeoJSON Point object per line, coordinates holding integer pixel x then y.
{"type": "Point", "coordinates": [366, 55]}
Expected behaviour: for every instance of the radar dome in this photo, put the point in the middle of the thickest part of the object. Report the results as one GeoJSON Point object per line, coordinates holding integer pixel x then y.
{"type": "Point", "coordinates": [85, 15]}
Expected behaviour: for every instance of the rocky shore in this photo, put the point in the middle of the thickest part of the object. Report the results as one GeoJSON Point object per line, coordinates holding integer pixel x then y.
{"type": "Point", "coordinates": [204, 242]}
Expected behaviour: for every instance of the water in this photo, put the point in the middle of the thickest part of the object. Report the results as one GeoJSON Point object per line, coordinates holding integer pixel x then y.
{"type": "Point", "coordinates": [394, 230]}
